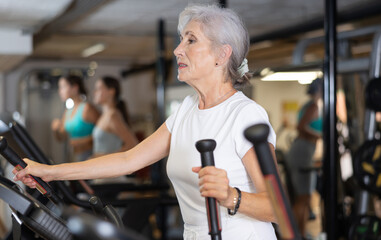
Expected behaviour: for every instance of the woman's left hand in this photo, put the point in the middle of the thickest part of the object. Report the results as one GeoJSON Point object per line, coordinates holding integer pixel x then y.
{"type": "Point", "coordinates": [214, 183]}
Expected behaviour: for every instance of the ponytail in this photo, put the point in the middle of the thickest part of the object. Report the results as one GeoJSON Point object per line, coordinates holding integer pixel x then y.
{"type": "Point", "coordinates": [113, 83]}
{"type": "Point", "coordinates": [121, 106]}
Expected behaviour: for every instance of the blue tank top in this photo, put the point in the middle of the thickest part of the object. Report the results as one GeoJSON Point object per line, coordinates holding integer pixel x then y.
{"type": "Point", "coordinates": [76, 126]}
{"type": "Point", "coordinates": [316, 124]}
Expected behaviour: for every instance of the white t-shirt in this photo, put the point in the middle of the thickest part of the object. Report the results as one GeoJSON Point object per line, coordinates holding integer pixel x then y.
{"type": "Point", "coordinates": [225, 124]}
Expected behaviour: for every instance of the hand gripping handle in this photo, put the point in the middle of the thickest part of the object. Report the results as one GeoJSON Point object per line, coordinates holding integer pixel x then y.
{"type": "Point", "coordinates": [11, 156]}
{"type": "Point", "coordinates": [206, 147]}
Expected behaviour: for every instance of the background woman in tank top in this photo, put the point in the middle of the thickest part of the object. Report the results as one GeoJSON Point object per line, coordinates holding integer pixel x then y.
{"type": "Point", "coordinates": [111, 133]}
{"type": "Point", "coordinates": [300, 155]}
{"type": "Point", "coordinates": [77, 122]}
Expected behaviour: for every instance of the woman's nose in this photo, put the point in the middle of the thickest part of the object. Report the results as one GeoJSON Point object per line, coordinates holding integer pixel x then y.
{"type": "Point", "coordinates": [178, 50]}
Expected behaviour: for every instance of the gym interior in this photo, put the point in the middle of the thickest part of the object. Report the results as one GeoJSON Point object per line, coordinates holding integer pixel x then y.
{"type": "Point", "coordinates": [292, 43]}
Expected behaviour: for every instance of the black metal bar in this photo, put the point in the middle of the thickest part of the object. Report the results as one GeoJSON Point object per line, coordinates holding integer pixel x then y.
{"type": "Point", "coordinates": [160, 74]}
{"type": "Point", "coordinates": [11, 156]}
{"type": "Point", "coordinates": [329, 124]}
{"type": "Point", "coordinates": [157, 170]}
{"type": "Point", "coordinates": [206, 148]}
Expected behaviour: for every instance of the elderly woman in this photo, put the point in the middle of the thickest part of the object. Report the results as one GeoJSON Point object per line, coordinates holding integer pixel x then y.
{"type": "Point", "coordinates": [211, 59]}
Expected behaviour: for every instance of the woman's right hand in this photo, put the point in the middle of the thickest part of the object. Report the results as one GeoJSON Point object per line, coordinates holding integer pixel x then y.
{"type": "Point", "coordinates": [34, 169]}
{"type": "Point", "coordinates": [56, 124]}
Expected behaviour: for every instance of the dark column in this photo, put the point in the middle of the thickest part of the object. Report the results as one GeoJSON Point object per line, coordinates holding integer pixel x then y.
{"type": "Point", "coordinates": [329, 125]}
{"type": "Point", "coordinates": [160, 74]}
{"type": "Point", "coordinates": [223, 3]}
{"type": "Point", "coordinates": [158, 171]}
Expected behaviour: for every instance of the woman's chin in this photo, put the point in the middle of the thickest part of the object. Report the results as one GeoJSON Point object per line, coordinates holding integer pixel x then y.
{"type": "Point", "coordinates": [180, 78]}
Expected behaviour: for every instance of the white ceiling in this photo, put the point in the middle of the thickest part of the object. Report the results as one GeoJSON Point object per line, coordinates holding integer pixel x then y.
{"type": "Point", "coordinates": [19, 20]}
{"type": "Point", "coordinates": [128, 27]}
{"type": "Point", "coordinates": [29, 15]}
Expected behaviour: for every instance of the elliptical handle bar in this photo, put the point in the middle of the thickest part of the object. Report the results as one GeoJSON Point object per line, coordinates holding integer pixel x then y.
{"type": "Point", "coordinates": [206, 147]}
{"type": "Point", "coordinates": [11, 156]}
{"type": "Point", "coordinates": [257, 135]}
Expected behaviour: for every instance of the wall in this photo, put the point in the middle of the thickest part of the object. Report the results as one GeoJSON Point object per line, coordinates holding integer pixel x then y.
{"type": "Point", "coordinates": [175, 95]}
{"type": "Point", "coordinates": [272, 96]}
{"type": "Point", "coordinates": [138, 90]}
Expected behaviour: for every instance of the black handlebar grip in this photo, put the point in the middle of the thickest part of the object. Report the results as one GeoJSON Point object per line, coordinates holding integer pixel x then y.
{"type": "Point", "coordinates": [206, 147]}
{"type": "Point", "coordinates": [18, 163]}
{"type": "Point", "coordinates": [257, 135]}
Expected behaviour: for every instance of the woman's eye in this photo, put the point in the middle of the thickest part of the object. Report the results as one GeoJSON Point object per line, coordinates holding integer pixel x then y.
{"type": "Point", "coordinates": [191, 40]}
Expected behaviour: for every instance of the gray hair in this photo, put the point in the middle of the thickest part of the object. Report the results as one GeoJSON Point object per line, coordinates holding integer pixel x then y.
{"type": "Point", "coordinates": [221, 26]}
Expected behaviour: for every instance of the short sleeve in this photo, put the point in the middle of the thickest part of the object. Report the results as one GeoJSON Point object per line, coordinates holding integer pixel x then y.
{"type": "Point", "coordinates": [170, 121]}
{"type": "Point", "coordinates": [249, 115]}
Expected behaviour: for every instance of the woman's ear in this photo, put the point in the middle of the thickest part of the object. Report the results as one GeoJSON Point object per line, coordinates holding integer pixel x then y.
{"type": "Point", "coordinates": [224, 54]}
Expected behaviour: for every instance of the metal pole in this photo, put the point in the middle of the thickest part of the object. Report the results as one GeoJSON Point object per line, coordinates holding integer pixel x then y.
{"type": "Point", "coordinates": [329, 126]}
{"type": "Point", "coordinates": [160, 74]}
{"type": "Point", "coordinates": [157, 172]}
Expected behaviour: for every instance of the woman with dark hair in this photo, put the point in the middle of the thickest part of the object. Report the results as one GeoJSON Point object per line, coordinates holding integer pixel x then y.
{"type": "Point", "coordinates": [78, 120]}
{"type": "Point", "coordinates": [300, 156]}
{"type": "Point", "coordinates": [111, 133]}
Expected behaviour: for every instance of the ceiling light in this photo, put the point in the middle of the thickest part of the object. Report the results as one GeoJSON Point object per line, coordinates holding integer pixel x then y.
{"type": "Point", "coordinates": [302, 77]}
{"type": "Point", "coordinates": [96, 48]}
{"type": "Point", "coordinates": [266, 71]}
{"type": "Point", "coordinates": [261, 45]}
